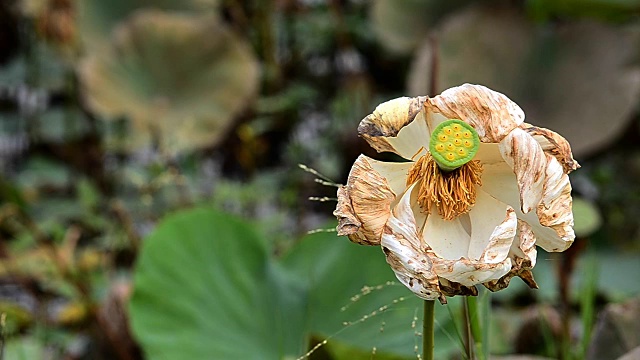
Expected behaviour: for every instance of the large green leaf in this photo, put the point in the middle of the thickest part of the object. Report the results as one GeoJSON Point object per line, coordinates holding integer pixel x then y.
{"type": "Point", "coordinates": [206, 287]}
{"type": "Point", "coordinates": [336, 270]}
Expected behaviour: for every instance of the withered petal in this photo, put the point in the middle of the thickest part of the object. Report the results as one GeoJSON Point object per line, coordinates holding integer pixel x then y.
{"type": "Point", "coordinates": [554, 144]}
{"type": "Point", "coordinates": [555, 208]}
{"type": "Point", "coordinates": [529, 163]}
{"type": "Point", "coordinates": [364, 204]}
{"type": "Point", "coordinates": [382, 128]}
{"type": "Point", "coordinates": [523, 259]}
{"type": "Point", "coordinates": [492, 114]}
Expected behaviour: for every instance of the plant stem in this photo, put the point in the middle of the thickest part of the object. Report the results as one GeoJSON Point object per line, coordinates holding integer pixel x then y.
{"type": "Point", "coordinates": [476, 328]}
{"type": "Point", "coordinates": [428, 330]}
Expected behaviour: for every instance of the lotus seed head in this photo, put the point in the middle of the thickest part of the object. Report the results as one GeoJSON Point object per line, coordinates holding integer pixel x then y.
{"type": "Point", "coordinates": [453, 144]}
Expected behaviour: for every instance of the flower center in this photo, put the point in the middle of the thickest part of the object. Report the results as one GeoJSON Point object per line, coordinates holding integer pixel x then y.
{"type": "Point", "coordinates": [448, 175]}
{"type": "Point", "coordinates": [453, 143]}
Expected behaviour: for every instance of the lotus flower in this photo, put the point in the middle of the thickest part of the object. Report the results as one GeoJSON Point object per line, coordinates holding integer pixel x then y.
{"type": "Point", "coordinates": [479, 190]}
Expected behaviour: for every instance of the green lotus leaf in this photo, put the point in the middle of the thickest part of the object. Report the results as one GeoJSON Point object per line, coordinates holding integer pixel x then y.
{"type": "Point", "coordinates": [179, 79]}
{"type": "Point", "coordinates": [207, 288]}
{"type": "Point", "coordinates": [567, 78]}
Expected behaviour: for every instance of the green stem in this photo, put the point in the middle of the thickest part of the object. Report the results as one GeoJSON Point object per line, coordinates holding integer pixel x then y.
{"type": "Point", "coordinates": [476, 328]}
{"type": "Point", "coordinates": [428, 330]}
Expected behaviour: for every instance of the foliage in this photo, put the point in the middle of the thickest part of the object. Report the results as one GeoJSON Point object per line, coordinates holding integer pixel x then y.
{"type": "Point", "coordinates": [201, 270]}
{"type": "Point", "coordinates": [92, 211]}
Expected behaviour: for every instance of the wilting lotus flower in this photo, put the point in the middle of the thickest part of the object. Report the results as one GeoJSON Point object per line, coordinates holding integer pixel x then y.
{"type": "Point", "coordinates": [480, 189]}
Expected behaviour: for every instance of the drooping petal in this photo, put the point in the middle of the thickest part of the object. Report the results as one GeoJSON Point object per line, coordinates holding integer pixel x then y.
{"type": "Point", "coordinates": [493, 227]}
{"type": "Point", "coordinates": [468, 272]}
{"type": "Point", "coordinates": [363, 204]}
{"type": "Point", "coordinates": [406, 254]}
{"type": "Point", "coordinates": [554, 144]}
{"type": "Point", "coordinates": [448, 238]}
{"type": "Point", "coordinates": [397, 126]}
{"type": "Point", "coordinates": [492, 114]}
{"type": "Point", "coordinates": [555, 211]}
{"type": "Point", "coordinates": [525, 156]}
{"type": "Point", "coordinates": [523, 258]}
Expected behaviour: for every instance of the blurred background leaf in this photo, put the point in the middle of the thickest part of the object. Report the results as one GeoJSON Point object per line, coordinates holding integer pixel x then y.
{"type": "Point", "coordinates": [179, 79]}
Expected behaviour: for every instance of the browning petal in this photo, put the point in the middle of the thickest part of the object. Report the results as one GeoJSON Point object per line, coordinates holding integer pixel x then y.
{"type": "Point", "coordinates": [409, 259]}
{"type": "Point", "coordinates": [449, 288]}
{"type": "Point", "coordinates": [529, 163]}
{"type": "Point", "coordinates": [554, 144]}
{"type": "Point", "coordinates": [380, 129]}
{"type": "Point", "coordinates": [523, 259]}
{"type": "Point", "coordinates": [555, 210]}
{"type": "Point", "coordinates": [364, 204]}
{"type": "Point", "coordinates": [470, 272]}
{"type": "Point", "coordinates": [348, 223]}
{"type": "Point", "coordinates": [501, 239]}
{"type": "Point", "coordinates": [491, 113]}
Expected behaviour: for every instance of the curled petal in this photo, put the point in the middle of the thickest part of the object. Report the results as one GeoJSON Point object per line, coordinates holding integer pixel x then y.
{"type": "Point", "coordinates": [500, 182]}
{"type": "Point", "coordinates": [492, 114]}
{"type": "Point", "coordinates": [523, 259]}
{"type": "Point", "coordinates": [363, 204]}
{"type": "Point", "coordinates": [554, 144]}
{"type": "Point", "coordinates": [528, 161]}
{"type": "Point", "coordinates": [397, 126]}
{"type": "Point", "coordinates": [471, 272]}
{"type": "Point", "coordinates": [405, 254]}
{"type": "Point", "coordinates": [554, 211]}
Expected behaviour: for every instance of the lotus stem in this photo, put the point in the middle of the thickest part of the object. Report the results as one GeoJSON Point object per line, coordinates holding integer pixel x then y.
{"type": "Point", "coordinates": [428, 330]}
{"type": "Point", "coordinates": [476, 329]}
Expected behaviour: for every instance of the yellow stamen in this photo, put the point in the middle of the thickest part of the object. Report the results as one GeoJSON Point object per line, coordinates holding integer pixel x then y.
{"type": "Point", "coordinates": [452, 192]}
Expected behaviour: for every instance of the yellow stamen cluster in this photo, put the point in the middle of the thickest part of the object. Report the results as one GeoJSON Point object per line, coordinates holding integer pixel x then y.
{"type": "Point", "coordinates": [452, 192]}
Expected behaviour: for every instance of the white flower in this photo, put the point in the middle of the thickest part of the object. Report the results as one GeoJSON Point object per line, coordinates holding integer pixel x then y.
{"type": "Point", "coordinates": [447, 225]}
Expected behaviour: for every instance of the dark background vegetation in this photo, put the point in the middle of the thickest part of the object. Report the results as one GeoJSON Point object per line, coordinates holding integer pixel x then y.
{"type": "Point", "coordinates": [116, 114]}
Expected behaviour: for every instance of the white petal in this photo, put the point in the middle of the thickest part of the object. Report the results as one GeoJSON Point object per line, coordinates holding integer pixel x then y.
{"type": "Point", "coordinates": [525, 247]}
{"type": "Point", "coordinates": [395, 173]}
{"type": "Point", "coordinates": [523, 153]}
{"type": "Point", "coordinates": [447, 238]}
{"type": "Point", "coordinates": [489, 154]}
{"type": "Point", "coordinates": [500, 182]}
{"type": "Point", "coordinates": [398, 126]}
{"type": "Point", "coordinates": [493, 227]}
{"type": "Point", "coordinates": [405, 252]}
{"type": "Point", "coordinates": [469, 273]}
{"type": "Point", "coordinates": [555, 211]}
{"type": "Point", "coordinates": [412, 140]}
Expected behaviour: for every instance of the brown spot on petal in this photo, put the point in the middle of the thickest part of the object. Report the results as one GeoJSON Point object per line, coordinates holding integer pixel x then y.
{"type": "Point", "coordinates": [450, 288]}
